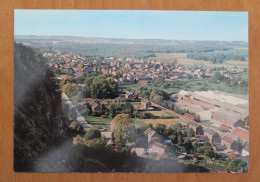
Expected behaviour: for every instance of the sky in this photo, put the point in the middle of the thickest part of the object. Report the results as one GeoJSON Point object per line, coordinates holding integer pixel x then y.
{"type": "Point", "coordinates": [134, 24]}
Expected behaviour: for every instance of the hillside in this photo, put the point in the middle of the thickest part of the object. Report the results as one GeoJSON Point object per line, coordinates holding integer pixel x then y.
{"type": "Point", "coordinates": [38, 119]}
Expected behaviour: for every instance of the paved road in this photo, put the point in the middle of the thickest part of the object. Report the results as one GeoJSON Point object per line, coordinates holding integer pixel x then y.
{"type": "Point", "coordinates": [79, 119]}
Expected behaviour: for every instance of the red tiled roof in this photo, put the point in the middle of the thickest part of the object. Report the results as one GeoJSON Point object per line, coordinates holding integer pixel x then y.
{"type": "Point", "coordinates": [87, 99]}
{"type": "Point", "coordinates": [139, 105]}
{"type": "Point", "coordinates": [224, 127]}
{"type": "Point", "coordinates": [242, 133]}
{"type": "Point", "coordinates": [231, 156]}
{"type": "Point", "coordinates": [133, 150]}
{"type": "Point", "coordinates": [227, 139]}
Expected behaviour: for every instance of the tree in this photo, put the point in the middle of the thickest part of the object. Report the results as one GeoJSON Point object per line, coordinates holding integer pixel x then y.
{"type": "Point", "coordinates": [124, 129]}
{"type": "Point", "coordinates": [160, 128]}
{"type": "Point", "coordinates": [127, 108]}
{"type": "Point", "coordinates": [233, 164]}
{"type": "Point", "coordinates": [195, 146]}
{"type": "Point", "coordinates": [112, 111]}
{"type": "Point", "coordinates": [190, 132]}
{"type": "Point", "coordinates": [209, 151]}
{"type": "Point", "coordinates": [243, 165]}
{"type": "Point", "coordinates": [73, 125]}
{"type": "Point", "coordinates": [188, 145]}
{"type": "Point", "coordinates": [86, 109]}
{"type": "Point", "coordinates": [92, 133]}
{"type": "Point", "coordinates": [180, 139]}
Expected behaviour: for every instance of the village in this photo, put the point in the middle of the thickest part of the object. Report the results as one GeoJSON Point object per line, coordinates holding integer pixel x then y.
{"type": "Point", "coordinates": [211, 126]}
{"type": "Point", "coordinates": [130, 70]}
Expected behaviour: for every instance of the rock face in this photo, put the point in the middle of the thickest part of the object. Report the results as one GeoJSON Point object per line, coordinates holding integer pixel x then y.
{"type": "Point", "coordinates": [38, 118]}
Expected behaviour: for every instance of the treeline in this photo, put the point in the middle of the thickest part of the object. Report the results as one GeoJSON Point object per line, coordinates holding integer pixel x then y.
{"type": "Point", "coordinates": [216, 58]}
{"type": "Point", "coordinates": [154, 95]}
{"type": "Point", "coordinates": [98, 87]}
{"type": "Point", "coordinates": [129, 48]}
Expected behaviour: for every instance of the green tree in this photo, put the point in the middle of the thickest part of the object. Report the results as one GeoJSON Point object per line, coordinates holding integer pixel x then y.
{"type": "Point", "coordinates": [92, 133]}
{"type": "Point", "coordinates": [234, 164]}
{"type": "Point", "coordinates": [209, 151]}
{"type": "Point", "coordinates": [160, 128]}
{"type": "Point", "coordinates": [73, 125]}
{"type": "Point", "coordinates": [180, 139]}
{"type": "Point", "coordinates": [112, 111]}
{"type": "Point", "coordinates": [190, 132]}
{"type": "Point", "coordinates": [124, 129]}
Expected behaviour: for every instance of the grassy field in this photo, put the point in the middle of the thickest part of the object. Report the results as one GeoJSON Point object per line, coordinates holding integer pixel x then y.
{"type": "Point", "coordinates": [98, 121]}
{"type": "Point", "coordinates": [182, 59]}
{"type": "Point", "coordinates": [167, 122]}
{"type": "Point", "coordinates": [135, 103]}
{"type": "Point", "coordinates": [138, 123]}
{"type": "Point", "coordinates": [160, 113]}
{"type": "Point", "coordinates": [189, 86]}
{"type": "Point", "coordinates": [101, 122]}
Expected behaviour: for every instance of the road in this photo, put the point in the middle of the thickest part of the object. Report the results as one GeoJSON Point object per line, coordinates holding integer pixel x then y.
{"type": "Point", "coordinates": [79, 119]}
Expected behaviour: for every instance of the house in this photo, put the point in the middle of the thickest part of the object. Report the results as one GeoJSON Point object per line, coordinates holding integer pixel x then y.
{"type": "Point", "coordinates": [220, 148]}
{"type": "Point", "coordinates": [214, 137]}
{"type": "Point", "coordinates": [150, 133]}
{"type": "Point", "coordinates": [241, 132]}
{"type": "Point", "coordinates": [139, 151]}
{"type": "Point", "coordinates": [229, 143]}
{"type": "Point", "coordinates": [129, 96]}
{"type": "Point", "coordinates": [96, 108]}
{"type": "Point", "coordinates": [202, 139]}
{"type": "Point", "coordinates": [231, 156]}
{"type": "Point", "coordinates": [198, 129]}
{"type": "Point", "coordinates": [245, 150]}
{"type": "Point", "coordinates": [64, 77]}
{"type": "Point", "coordinates": [79, 73]}
{"type": "Point", "coordinates": [155, 147]}
{"type": "Point", "coordinates": [228, 118]}
{"type": "Point", "coordinates": [144, 106]}
{"type": "Point", "coordinates": [143, 82]}
{"type": "Point", "coordinates": [224, 127]}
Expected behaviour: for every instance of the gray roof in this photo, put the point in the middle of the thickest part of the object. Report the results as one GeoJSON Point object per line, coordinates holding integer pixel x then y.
{"type": "Point", "coordinates": [195, 125]}
{"type": "Point", "coordinates": [147, 131]}
{"type": "Point", "coordinates": [225, 116]}
{"type": "Point", "coordinates": [151, 133]}
{"type": "Point", "coordinates": [209, 131]}
{"type": "Point", "coordinates": [94, 105]}
{"type": "Point", "coordinates": [220, 147]}
{"type": "Point", "coordinates": [156, 144]}
{"type": "Point", "coordinates": [246, 147]}
{"type": "Point", "coordinates": [129, 93]}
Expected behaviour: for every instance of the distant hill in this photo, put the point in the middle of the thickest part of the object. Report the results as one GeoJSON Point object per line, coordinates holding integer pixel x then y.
{"type": "Point", "coordinates": [139, 48]}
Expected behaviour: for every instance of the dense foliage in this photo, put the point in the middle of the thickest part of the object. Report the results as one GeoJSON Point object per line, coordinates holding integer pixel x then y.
{"type": "Point", "coordinates": [38, 119]}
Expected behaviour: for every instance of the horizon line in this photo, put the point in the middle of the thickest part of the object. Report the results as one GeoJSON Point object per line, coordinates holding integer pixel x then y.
{"type": "Point", "coordinates": [131, 38]}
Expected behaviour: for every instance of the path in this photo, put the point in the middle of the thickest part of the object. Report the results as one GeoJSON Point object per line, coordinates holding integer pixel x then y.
{"type": "Point", "coordinates": [79, 119]}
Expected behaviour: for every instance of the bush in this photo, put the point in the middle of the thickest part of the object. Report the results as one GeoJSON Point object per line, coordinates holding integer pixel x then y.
{"type": "Point", "coordinates": [92, 133]}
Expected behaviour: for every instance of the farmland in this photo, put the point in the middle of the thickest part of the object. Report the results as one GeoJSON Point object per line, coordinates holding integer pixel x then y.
{"type": "Point", "coordinates": [167, 122]}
